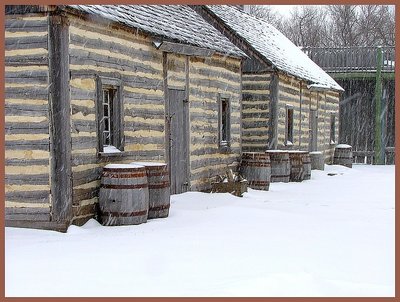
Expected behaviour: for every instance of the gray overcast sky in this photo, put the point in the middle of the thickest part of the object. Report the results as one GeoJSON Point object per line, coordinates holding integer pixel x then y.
{"type": "Point", "coordinates": [286, 9]}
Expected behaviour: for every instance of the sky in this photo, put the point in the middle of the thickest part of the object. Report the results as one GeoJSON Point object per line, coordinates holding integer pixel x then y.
{"type": "Point", "coordinates": [283, 9]}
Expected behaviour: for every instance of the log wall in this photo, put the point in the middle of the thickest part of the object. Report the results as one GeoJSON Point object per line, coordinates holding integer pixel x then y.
{"type": "Point", "coordinates": [293, 92]}
{"type": "Point", "coordinates": [96, 50]}
{"type": "Point", "coordinates": [27, 184]}
{"type": "Point", "coordinates": [209, 77]}
{"type": "Point", "coordinates": [255, 112]}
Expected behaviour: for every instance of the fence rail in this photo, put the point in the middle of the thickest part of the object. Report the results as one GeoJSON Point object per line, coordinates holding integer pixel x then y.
{"type": "Point", "coordinates": [368, 157]}
{"type": "Point", "coordinates": [352, 59]}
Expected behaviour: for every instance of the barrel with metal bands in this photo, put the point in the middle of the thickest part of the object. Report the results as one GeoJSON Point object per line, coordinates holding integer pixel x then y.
{"type": "Point", "coordinates": [280, 165]}
{"type": "Point", "coordinates": [256, 168]}
{"type": "Point", "coordinates": [124, 195]}
{"type": "Point", "coordinates": [159, 188]}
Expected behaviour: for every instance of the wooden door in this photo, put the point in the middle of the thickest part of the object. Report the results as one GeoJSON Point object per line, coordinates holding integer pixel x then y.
{"type": "Point", "coordinates": [313, 130]}
{"type": "Point", "coordinates": [178, 147]}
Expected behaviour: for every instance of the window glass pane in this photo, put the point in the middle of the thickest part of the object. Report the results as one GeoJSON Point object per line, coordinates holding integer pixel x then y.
{"type": "Point", "coordinates": [224, 120]}
{"type": "Point", "coordinates": [289, 133]}
{"type": "Point", "coordinates": [332, 128]}
{"type": "Point", "coordinates": [109, 122]}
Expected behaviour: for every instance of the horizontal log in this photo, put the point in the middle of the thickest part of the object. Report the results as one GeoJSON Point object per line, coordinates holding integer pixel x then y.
{"type": "Point", "coordinates": [31, 211]}
{"type": "Point", "coordinates": [29, 74]}
{"type": "Point", "coordinates": [27, 60]}
{"type": "Point", "coordinates": [83, 194]}
{"type": "Point", "coordinates": [83, 57]}
{"type": "Point", "coordinates": [27, 128]}
{"type": "Point", "coordinates": [27, 220]}
{"type": "Point", "coordinates": [256, 86]}
{"type": "Point", "coordinates": [263, 106]}
{"type": "Point", "coordinates": [83, 177]}
{"type": "Point", "coordinates": [145, 113]}
{"type": "Point", "coordinates": [29, 196]}
{"type": "Point", "coordinates": [83, 126]}
{"type": "Point", "coordinates": [255, 124]}
{"type": "Point", "coordinates": [215, 84]}
{"type": "Point", "coordinates": [27, 145]}
{"type": "Point", "coordinates": [26, 111]}
{"type": "Point", "coordinates": [26, 162]}
{"type": "Point", "coordinates": [84, 142]}
{"type": "Point", "coordinates": [32, 179]}
{"type": "Point", "coordinates": [207, 71]}
{"type": "Point", "coordinates": [27, 42]}
{"type": "Point", "coordinates": [144, 126]}
{"type": "Point", "coordinates": [213, 162]}
{"type": "Point", "coordinates": [79, 211]}
{"type": "Point", "coordinates": [32, 92]}
{"type": "Point", "coordinates": [139, 54]}
{"type": "Point", "coordinates": [255, 115]}
{"type": "Point", "coordinates": [248, 97]}
{"type": "Point", "coordinates": [82, 94]}
{"type": "Point", "coordinates": [83, 109]}
{"type": "Point", "coordinates": [140, 98]}
{"type": "Point", "coordinates": [219, 61]}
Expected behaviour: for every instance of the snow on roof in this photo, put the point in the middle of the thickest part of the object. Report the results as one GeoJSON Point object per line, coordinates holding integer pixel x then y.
{"type": "Point", "coordinates": [275, 47]}
{"type": "Point", "coordinates": [177, 22]}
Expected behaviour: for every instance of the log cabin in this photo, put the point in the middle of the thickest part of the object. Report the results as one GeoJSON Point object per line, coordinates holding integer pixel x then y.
{"type": "Point", "coordinates": [90, 85]}
{"type": "Point", "coordinates": [288, 102]}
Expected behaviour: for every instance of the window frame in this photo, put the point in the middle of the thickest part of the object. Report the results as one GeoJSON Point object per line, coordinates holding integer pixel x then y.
{"type": "Point", "coordinates": [224, 145]}
{"type": "Point", "coordinates": [117, 114]}
{"type": "Point", "coordinates": [289, 137]}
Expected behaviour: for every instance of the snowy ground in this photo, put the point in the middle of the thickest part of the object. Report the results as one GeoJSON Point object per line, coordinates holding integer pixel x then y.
{"type": "Point", "coordinates": [328, 236]}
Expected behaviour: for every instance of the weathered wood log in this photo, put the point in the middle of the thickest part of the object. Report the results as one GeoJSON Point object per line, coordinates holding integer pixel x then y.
{"type": "Point", "coordinates": [280, 165]}
{"type": "Point", "coordinates": [256, 168]}
{"type": "Point", "coordinates": [124, 195]}
{"type": "Point", "coordinates": [317, 160]}
{"type": "Point", "coordinates": [343, 155]}
{"type": "Point", "coordinates": [159, 188]}
{"type": "Point", "coordinates": [236, 188]}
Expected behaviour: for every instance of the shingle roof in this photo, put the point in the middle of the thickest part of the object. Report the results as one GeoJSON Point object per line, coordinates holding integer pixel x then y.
{"type": "Point", "coordinates": [273, 45]}
{"type": "Point", "coordinates": [174, 22]}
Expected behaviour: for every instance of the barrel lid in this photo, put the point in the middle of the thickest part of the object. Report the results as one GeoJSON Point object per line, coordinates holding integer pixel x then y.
{"type": "Point", "coordinates": [149, 164]}
{"type": "Point", "coordinates": [122, 166]}
{"type": "Point", "coordinates": [277, 151]}
{"type": "Point", "coordinates": [343, 146]}
{"type": "Point", "coordinates": [298, 151]}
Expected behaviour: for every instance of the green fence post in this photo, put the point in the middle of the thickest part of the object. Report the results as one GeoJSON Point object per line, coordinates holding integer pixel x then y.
{"type": "Point", "coordinates": [379, 155]}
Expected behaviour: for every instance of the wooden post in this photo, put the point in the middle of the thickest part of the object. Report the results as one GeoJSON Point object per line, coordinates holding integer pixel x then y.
{"type": "Point", "coordinates": [273, 114]}
{"type": "Point", "coordinates": [59, 115]}
{"type": "Point", "coordinates": [379, 155]}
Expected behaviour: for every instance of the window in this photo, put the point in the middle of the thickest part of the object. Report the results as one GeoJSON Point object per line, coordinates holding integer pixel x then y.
{"type": "Point", "coordinates": [224, 118]}
{"type": "Point", "coordinates": [289, 125]}
{"type": "Point", "coordinates": [333, 122]}
{"type": "Point", "coordinates": [109, 115]}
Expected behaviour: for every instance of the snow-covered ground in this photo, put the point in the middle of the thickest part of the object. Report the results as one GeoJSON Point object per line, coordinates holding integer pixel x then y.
{"type": "Point", "coordinates": [328, 236]}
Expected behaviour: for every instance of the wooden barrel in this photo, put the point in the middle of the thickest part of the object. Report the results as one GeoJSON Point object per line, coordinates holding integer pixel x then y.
{"type": "Point", "coordinates": [256, 168]}
{"type": "Point", "coordinates": [343, 155]}
{"type": "Point", "coordinates": [159, 188]}
{"type": "Point", "coordinates": [297, 172]}
{"type": "Point", "coordinates": [280, 165]}
{"type": "Point", "coordinates": [305, 156]}
{"type": "Point", "coordinates": [124, 194]}
{"type": "Point", "coordinates": [317, 160]}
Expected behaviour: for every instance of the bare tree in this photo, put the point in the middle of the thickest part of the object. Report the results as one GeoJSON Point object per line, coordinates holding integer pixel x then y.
{"type": "Point", "coordinates": [376, 25]}
{"type": "Point", "coordinates": [306, 26]}
{"type": "Point", "coordinates": [266, 13]}
{"type": "Point", "coordinates": [344, 21]}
